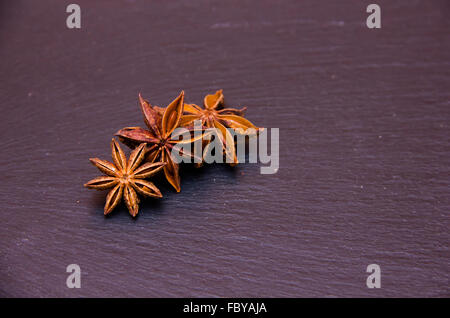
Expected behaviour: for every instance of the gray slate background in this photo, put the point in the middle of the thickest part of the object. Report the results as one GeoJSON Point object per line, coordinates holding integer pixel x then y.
{"type": "Point", "coordinates": [364, 150]}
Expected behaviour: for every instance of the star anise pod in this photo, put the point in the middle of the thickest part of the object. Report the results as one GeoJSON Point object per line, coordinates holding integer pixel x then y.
{"type": "Point", "coordinates": [213, 115]}
{"type": "Point", "coordinates": [158, 137]}
{"type": "Point", "coordinates": [125, 178]}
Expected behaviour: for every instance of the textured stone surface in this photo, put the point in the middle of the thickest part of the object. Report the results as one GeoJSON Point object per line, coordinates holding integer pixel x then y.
{"type": "Point", "coordinates": [364, 151]}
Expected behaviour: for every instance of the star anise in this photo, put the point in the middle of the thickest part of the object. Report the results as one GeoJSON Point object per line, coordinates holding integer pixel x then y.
{"type": "Point", "coordinates": [158, 137]}
{"type": "Point", "coordinates": [125, 178]}
{"type": "Point", "coordinates": [212, 116]}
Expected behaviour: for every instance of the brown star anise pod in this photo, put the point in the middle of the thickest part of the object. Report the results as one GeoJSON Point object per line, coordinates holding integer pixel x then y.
{"type": "Point", "coordinates": [213, 117]}
{"type": "Point", "coordinates": [125, 178]}
{"type": "Point", "coordinates": [158, 137]}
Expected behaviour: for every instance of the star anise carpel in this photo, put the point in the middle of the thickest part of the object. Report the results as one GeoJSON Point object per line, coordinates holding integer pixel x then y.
{"type": "Point", "coordinates": [158, 138]}
{"type": "Point", "coordinates": [214, 115]}
{"type": "Point", "coordinates": [126, 178]}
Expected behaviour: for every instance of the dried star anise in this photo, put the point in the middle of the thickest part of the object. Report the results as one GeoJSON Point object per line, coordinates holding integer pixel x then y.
{"type": "Point", "coordinates": [213, 117]}
{"type": "Point", "coordinates": [126, 178]}
{"type": "Point", "coordinates": [161, 123]}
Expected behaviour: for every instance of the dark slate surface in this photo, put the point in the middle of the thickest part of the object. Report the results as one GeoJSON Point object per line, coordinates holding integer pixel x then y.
{"type": "Point", "coordinates": [364, 150]}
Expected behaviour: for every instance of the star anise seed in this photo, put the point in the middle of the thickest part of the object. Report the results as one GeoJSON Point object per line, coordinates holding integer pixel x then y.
{"type": "Point", "coordinates": [126, 178]}
{"type": "Point", "coordinates": [213, 117]}
{"type": "Point", "coordinates": [158, 137]}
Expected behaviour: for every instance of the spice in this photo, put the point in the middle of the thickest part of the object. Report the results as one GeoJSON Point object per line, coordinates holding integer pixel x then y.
{"type": "Point", "coordinates": [125, 178]}
{"type": "Point", "coordinates": [212, 116]}
{"type": "Point", "coordinates": [161, 123]}
{"type": "Point", "coordinates": [154, 146]}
